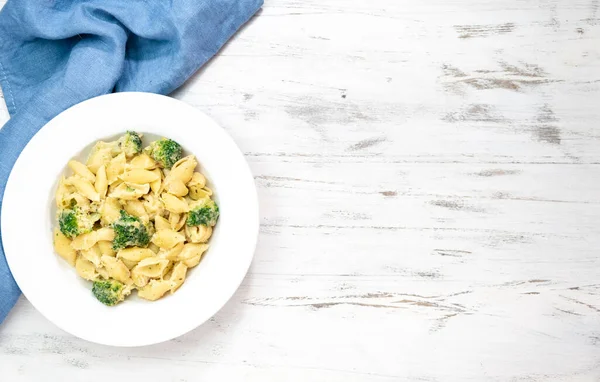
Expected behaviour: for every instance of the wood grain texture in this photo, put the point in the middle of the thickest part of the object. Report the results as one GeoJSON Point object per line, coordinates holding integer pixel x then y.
{"type": "Point", "coordinates": [429, 179]}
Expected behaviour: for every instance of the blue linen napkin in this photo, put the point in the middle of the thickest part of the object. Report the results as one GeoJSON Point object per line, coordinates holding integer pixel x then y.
{"type": "Point", "coordinates": [57, 53]}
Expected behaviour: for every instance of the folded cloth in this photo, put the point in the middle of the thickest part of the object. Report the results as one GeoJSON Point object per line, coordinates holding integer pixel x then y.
{"type": "Point", "coordinates": [57, 53]}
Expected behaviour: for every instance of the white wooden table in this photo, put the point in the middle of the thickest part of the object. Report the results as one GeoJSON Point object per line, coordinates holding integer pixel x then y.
{"type": "Point", "coordinates": [429, 179]}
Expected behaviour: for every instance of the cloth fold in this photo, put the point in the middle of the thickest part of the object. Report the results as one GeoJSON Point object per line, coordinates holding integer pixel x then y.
{"type": "Point", "coordinates": [57, 53]}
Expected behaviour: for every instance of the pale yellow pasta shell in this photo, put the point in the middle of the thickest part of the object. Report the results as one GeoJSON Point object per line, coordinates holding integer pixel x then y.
{"type": "Point", "coordinates": [110, 211]}
{"type": "Point", "coordinates": [174, 204]}
{"type": "Point", "coordinates": [177, 221]}
{"type": "Point", "coordinates": [106, 248]}
{"type": "Point", "coordinates": [178, 276]}
{"type": "Point", "coordinates": [129, 191]}
{"type": "Point", "coordinates": [129, 264]}
{"type": "Point", "coordinates": [105, 234]}
{"type": "Point", "coordinates": [198, 234]}
{"type": "Point", "coordinates": [192, 262]}
{"type": "Point", "coordinates": [135, 253]}
{"type": "Point", "coordinates": [156, 185]}
{"type": "Point", "coordinates": [143, 161]}
{"type": "Point", "coordinates": [154, 248]}
{"type": "Point", "coordinates": [154, 290]}
{"type": "Point", "coordinates": [167, 239]}
{"type": "Point", "coordinates": [85, 269]}
{"type": "Point", "coordinates": [85, 241]}
{"type": "Point", "coordinates": [161, 223]}
{"type": "Point", "coordinates": [152, 267]}
{"type": "Point", "coordinates": [139, 176]}
{"type": "Point", "coordinates": [98, 157]}
{"type": "Point", "coordinates": [136, 208]}
{"type": "Point", "coordinates": [116, 269]}
{"type": "Point", "coordinates": [175, 187]}
{"type": "Point", "coordinates": [82, 170]}
{"type": "Point", "coordinates": [101, 184]}
{"type": "Point", "coordinates": [81, 201]}
{"type": "Point", "coordinates": [173, 253]}
{"type": "Point", "coordinates": [139, 280]}
{"type": "Point", "coordinates": [181, 223]}
{"type": "Point", "coordinates": [192, 253]}
{"type": "Point", "coordinates": [62, 246]}
{"type": "Point", "coordinates": [103, 273]}
{"type": "Point", "coordinates": [62, 194]}
{"type": "Point", "coordinates": [152, 205]}
{"type": "Point", "coordinates": [167, 270]}
{"type": "Point", "coordinates": [116, 167]}
{"type": "Point", "coordinates": [92, 255]}
{"type": "Point", "coordinates": [197, 180]}
{"type": "Point", "coordinates": [197, 192]}
{"type": "Point", "coordinates": [113, 186]}
{"type": "Point", "coordinates": [174, 220]}
{"type": "Point", "coordinates": [183, 169]}
{"type": "Point", "coordinates": [85, 188]}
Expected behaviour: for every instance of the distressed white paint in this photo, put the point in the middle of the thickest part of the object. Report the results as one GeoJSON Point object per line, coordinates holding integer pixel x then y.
{"type": "Point", "coordinates": [429, 176]}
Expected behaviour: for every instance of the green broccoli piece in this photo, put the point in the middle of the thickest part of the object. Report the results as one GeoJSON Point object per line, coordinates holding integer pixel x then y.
{"type": "Point", "coordinates": [165, 151]}
{"type": "Point", "coordinates": [129, 232]}
{"type": "Point", "coordinates": [130, 143]}
{"type": "Point", "coordinates": [108, 292]}
{"type": "Point", "coordinates": [74, 221]}
{"type": "Point", "coordinates": [204, 212]}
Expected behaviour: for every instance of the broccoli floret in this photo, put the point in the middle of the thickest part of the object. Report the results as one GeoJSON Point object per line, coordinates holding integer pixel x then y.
{"type": "Point", "coordinates": [165, 151]}
{"type": "Point", "coordinates": [108, 292]}
{"type": "Point", "coordinates": [204, 212]}
{"type": "Point", "coordinates": [74, 221]}
{"type": "Point", "coordinates": [129, 232]}
{"type": "Point", "coordinates": [130, 143]}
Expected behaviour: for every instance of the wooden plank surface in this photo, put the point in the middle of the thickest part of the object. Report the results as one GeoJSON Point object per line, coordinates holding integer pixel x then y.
{"type": "Point", "coordinates": [429, 179]}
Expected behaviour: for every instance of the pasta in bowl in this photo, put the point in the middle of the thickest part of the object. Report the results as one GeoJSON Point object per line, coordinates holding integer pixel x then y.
{"type": "Point", "coordinates": [134, 218]}
{"type": "Point", "coordinates": [30, 210]}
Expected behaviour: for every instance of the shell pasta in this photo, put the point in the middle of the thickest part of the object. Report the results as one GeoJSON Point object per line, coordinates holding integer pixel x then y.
{"type": "Point", "coordinates": [133, 218]}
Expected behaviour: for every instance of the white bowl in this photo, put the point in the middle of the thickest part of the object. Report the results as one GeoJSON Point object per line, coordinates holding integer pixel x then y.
{"type": "Point", "coordinates": [52, 285]}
